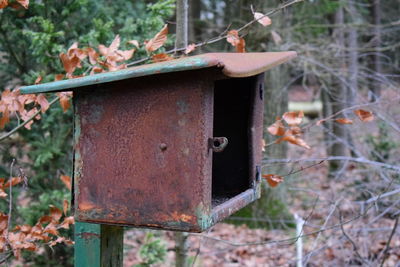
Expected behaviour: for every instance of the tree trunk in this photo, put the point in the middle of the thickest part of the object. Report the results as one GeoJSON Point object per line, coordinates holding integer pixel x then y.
{"type": "Point", "coordinates": [338, 95]}
{"type": "Point", "coordinates": [182, 12]}
{"type": "Point", "coordinates": [377, 42]}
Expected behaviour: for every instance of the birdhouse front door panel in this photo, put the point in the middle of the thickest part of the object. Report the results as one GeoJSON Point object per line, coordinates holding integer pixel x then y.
{"type": "Point", "coordinates": [142, 154]}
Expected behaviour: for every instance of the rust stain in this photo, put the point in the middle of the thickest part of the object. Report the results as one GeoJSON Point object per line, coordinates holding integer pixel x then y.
{"type": "Point", "coordinates": [88, 235]}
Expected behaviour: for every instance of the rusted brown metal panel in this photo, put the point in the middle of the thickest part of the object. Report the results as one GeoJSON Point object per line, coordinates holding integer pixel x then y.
{"type": "Point", "coordinates": [142, 155]}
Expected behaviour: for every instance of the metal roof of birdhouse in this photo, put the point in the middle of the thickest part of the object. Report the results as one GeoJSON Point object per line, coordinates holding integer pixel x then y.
{"type": "Point", "coordinates": [231, 65]}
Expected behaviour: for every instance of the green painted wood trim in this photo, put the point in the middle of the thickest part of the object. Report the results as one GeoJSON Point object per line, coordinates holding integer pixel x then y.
{"type": "Point", "coordinates": [190, 63]}
{"type": "Point", "coordinates": [98, 245]}
{"type": "Point", "coordinates": [87, 244]}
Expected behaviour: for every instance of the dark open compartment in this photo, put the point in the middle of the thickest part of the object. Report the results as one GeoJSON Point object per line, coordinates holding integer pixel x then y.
{"type": "Point", "coordinates": [232, 119]}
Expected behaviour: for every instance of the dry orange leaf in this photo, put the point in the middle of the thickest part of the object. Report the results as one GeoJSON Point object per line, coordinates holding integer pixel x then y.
{"type": "Point", "coordinates": [127, 54]}
{"type": "Point", "coordinates": [14, 181]}
{"type": "Point", "coordinates": [364, 115]}
{"type": "Point", "coordinates": [241, 46]}
{"type": "Point", "coordinates": [66, 180]}
{"type": "Point", "coordinates": [51, 229]}
{"type": "Point", "coordinates": [42, 101]}
{"type": "Point", "coordinates": [158, 40]}
{"type": "Point", "coordinates": [93, 56]}
{"type": "Point", "coordinates": [294, 130]}
{"type": "Point", "coordinates": [190, 48]}
{"type": "Point", "coordinates": [70, 64]}
{"type": "Point", "coordinates": [59, 77]}
{"type": "Point", "coordinates": [293, 140]}
{"type": "Point", "coordinates": [134, 42]}
{"type": "Point", "coordinates": [24, 3]}
{"type": "Point", "coordinates": [65, 206]}
{"type": "Point", "coordinates": [293, 117]}
{"type": "Point", "coordinates": [344, 121]}
{"type": "Point", "coordinates": [64, 100]}
{"type": "Point", "coordinates": [55, 213]}
{"type": "Point", "coordinates": [262, 19]}
{"type": "Point", "coordinates": [38, 79]}
{"type": "Point", "coordinates": [273, 179]}
{"type": "Point", "coordinates": [3, 3]}
{"type": "Point", "coordinates": [233, 37]}
{"type": "Point", "coordinates": [161, 57]}
{"type": "Point", "coordinates": [45, 219]}
{"type": "Point", "coordinates": [3, 194]}
{"type": "Point", "coordinates": [67, 221]}
{"type": "Point", "coordinates": [277, 128]}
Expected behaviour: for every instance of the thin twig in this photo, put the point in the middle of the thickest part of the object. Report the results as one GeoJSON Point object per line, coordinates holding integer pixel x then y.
{"type": "Point", "coordinates": [359, 160]}
{"type": "Point", "coordinates": [10, 195]}
{"type": "Point", "coordinates": [385, 251]}
{"type": "Point", "coordinates": [349, 239]}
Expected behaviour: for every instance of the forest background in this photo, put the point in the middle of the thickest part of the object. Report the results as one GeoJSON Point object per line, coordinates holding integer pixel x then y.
{"type": "Point", "coordinates": [345, 188]}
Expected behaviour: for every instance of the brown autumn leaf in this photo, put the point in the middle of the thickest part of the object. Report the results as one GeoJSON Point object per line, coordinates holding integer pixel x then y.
{"type": "Point", "coordinates": [161, 57]}
{"type": "Point", "coordinates": [96, 69]}
{"type": "Point", "coordinates": [5, 118]}
{"type": "Point", "coordinates": [64, 100]}
{"type": "Point", "coordinates": [3, 3]}
{"type": "Point", "coordinates": [293, 118]}
{"type": "Point", "coordinates": [3, 222]}
{"type": "Point", "coordinates": [93, 55]}
{"type": "Point", "coordinates": [158, 40]}
{"type": "Point", "coordinates": [241, 46]}
{"type": "Point", "coordinates": [14, 182]}
{"type": "Point", "coordinates": [190, 48]}
{"type": "Point", "coordinates": [26, 228]}
{"type": "Point", "coordinates": [273, 179]}
{"type": "Point", "coordinates": [134, 42]}
{"type": "Point", "coordinates": [66, 180]}
{"type": "Point", "coordinates": [233, 37]}
{"type": "Point", "coordinates": [344, 121]}
{"type": "Point", "coordinates": [262, 19]}
{"type": "Point", "coordinates": [57, 241]}
{"type": "Point", "coordinates": [24, 3]}
{"type": "Point", "coordinates": [27, 115]}
{"type": "Point", "coordinates": [38, 79]}
{"type": "Point", "coordinates": [364, 115]}
{"type": "Point", "coordinates": [55, 213]}
{"type": "Point", "coordinates": [65, 206]}
{"type": "Point", "coordinates": [67, 222]}
{"type": "Point", "coordinates": [277, 128]}
{"type": "Point", "coordinates": [59, 77]}
{"type": "Point", "coordinates": [51, 229]}
{"type": "Point", "coordinates": [3, 194]}
{"type": "Point", "coordinates": [126, 54]}
{"type": "Point", "coordinates": [42, 101]}
{"type": "Point", "coordinates": [10, 101]}
{"type": "Point", "coordinates": [45, 219]}
{"type": "Point", "coordinates": [70, 64]}
{"type": "Point", "coordinates": [293, 140]}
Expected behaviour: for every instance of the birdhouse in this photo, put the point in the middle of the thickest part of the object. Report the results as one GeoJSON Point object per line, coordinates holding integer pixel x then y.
{"type": "Point", "coordinates": [174, 145]}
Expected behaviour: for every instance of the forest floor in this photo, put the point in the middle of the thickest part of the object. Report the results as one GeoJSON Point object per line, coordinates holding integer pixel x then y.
{"type": "Point", "coordinates": [325, 204]}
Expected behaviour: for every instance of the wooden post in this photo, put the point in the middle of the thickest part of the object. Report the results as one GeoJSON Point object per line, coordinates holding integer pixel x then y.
{"type": "Point", "coordinates": [98, 245]}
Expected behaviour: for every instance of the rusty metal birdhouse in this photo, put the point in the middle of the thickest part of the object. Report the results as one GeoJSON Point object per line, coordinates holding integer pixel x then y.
{"type": "Point", "coordinates": [173, 145]}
